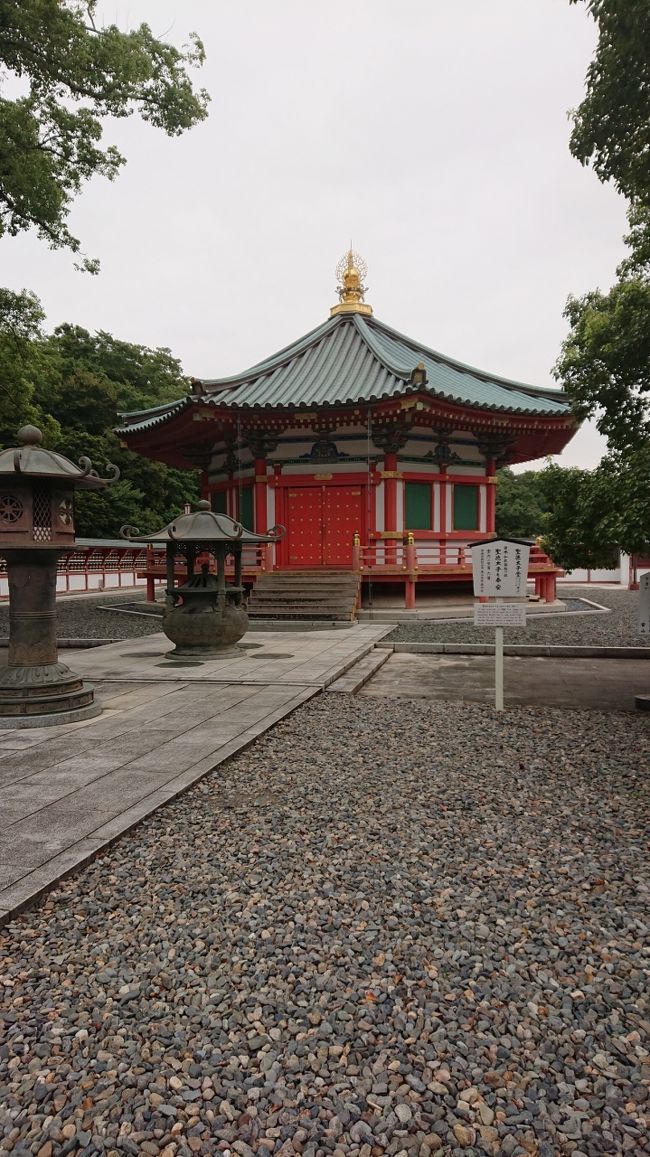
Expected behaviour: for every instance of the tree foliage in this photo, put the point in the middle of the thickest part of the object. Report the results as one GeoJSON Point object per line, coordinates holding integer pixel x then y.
{"type": "Point", "coordinates": [72, 74]}
{"type": "Point", "coordinates": [604, 363]}
{"type": "Point", "coordinates": [21, 319]}
{"type": "Point", "coordinates": [595, 513]}
{"type": "Point", "coordinates": [73, 384]}
{"type": "Point", "coordinates": [521, 503]}
{"type": "Point", "coordinates": [611, 127]}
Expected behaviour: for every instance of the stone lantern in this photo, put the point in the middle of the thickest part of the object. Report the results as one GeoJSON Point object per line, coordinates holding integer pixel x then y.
{"type": "Point", "coordinates": [36, 527]}
{"type": "Point", "coordinates": [205, 616]}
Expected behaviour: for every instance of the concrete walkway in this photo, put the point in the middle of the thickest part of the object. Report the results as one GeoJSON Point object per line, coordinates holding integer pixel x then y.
{"type": "Point", "coordinates": [67, 791]}
{"type": "Point", "coordinates": [593, 684]}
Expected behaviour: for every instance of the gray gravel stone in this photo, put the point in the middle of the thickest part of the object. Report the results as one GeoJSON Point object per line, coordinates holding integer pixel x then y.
{"type": "Point", "coordinates": [616, 629]}
{"type": "Point", "coordinates": [410, 927]}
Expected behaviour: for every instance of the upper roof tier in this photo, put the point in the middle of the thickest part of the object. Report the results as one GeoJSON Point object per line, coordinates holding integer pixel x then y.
{"type": "Point", "coordinates": [354, 358]}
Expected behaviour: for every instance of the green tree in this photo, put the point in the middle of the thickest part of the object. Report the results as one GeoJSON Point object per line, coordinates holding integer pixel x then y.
{"type": "Point", "coordinates": [594, 513]}
{"type": "Point", "coordinates": [73, 74]}
{"type": "Point", "coordinates": [521, 503]}
{"type": "Point", "coordinates": [611, 127]}
{"type": "Point", "coordinates": [604, 363]}
{"type": "Point", "coordinates": [21, 319]}
{"type": "Point", "coordinates": [73, 384]}
{"type": "Point", "coordinates": [88, 379]}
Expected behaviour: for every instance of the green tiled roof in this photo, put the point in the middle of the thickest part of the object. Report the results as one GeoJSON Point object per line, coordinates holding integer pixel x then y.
{"type": "Point", "coordinates": [350, 359]}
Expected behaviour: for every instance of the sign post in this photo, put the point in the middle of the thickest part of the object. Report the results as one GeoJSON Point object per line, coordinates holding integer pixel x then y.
{"type": "Point", "coordinates": [498, 667]}
{"type": "Point", "coordinates": [500, 570]}
{"type": "Point", "coordinates": [642, 702]}
{"type": "Point", "coordinates": [644, 604]}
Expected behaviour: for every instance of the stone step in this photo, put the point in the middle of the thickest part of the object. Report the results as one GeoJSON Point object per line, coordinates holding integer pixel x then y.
{"type": "Point", "coordinates": [267, 581]}
{"type": "Point", "coordinates": [309, 596]}
{"type": "Point", "coordinates": [299, 596]}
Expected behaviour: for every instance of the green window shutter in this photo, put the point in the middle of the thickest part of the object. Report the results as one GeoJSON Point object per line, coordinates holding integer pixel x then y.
{"type": "Point", "coordinates": [465, 507]}
{"type": "Point", "coordinates": [417, 514]}
{"type": "Point", "coordinates": [246, 507]}
{"type": "Point", "coordinates": [219, 501]}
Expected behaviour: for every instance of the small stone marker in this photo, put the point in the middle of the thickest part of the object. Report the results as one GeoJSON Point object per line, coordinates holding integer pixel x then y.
{"type": "Point", "coordinates": [499, 614]}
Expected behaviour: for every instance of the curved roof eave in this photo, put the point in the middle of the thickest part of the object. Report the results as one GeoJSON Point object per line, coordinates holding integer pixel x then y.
{"type": "Point", "coordinates": [281, 357]}
{"type": "Point", "coordinates": [463, 367]}
{"type": "Point", "coordinates": [159, 416]}
{"type": "Point", "coordinates": [388, 396]}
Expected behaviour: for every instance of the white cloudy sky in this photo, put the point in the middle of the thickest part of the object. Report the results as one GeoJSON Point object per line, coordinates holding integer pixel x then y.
{"type": "Point", "coordinates": [433, 133]}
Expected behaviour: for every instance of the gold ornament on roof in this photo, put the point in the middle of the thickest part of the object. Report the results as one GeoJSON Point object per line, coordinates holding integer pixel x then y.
{"type": "Point", "coordinates": [350, 274]}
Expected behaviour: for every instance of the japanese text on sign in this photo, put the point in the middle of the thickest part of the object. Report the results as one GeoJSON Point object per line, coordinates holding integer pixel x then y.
{"type": "Point", "coordinates": [499, 614]}
{"type": "Point", "coordinates": [500, 568]}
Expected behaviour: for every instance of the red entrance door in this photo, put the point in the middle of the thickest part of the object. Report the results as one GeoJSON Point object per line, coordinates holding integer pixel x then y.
{"type": "Point", "coordinates": [341, 518]}
{"type": "Point", "coordinates": [321, 523]}
{"type": "Point", "coordinates": [304, 526]}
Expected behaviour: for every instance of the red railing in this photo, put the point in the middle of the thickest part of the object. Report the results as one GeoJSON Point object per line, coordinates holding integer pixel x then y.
{"type": "Point", "coordinates": [421, 556]}
{"type": "Point", "coordinates": [111, 565]}
{"type": "Point", "coordinates": [95, 566]}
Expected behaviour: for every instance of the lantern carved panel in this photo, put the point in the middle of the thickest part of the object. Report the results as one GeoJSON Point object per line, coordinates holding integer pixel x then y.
{"type": "Point", "coordinates": [11, 509]}
{"type": "Point", "coordinates": [42, 514]}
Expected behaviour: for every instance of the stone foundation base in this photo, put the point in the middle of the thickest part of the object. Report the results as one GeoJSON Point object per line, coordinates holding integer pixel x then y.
{"type": "Point", "coordinates": [50, 719]}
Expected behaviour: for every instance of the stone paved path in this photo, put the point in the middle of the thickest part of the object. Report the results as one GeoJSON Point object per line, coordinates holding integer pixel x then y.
{"type": "Point", "coordinates": [595, 684]}
{"type": "Point", "coordinates": [67, 791]}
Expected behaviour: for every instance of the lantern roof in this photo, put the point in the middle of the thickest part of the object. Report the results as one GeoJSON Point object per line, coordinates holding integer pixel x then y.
{"type": "Point", "coordinates": [203, 525]}
{"type": "Point", "coordinates": [31, 460]}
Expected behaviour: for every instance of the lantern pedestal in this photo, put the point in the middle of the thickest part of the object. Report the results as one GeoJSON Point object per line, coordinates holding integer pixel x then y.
{"type": "Point", "coordinates": [36, 689]}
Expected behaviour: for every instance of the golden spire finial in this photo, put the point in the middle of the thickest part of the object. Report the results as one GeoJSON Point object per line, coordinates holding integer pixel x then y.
{"type": "Point", "coordinates": [350, 273]}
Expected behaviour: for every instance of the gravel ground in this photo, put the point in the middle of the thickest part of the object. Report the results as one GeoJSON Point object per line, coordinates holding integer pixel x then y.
{"type": "Point", "coordinates": [618, 629]}
{"type": "Point", "coordinates": [81, 618]}
{"type": "Point", "coordinates": [386, 928]}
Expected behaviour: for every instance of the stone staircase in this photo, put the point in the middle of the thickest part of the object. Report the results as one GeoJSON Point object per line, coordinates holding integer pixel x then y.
{"type": "Point", "coordinates": [305, 596]}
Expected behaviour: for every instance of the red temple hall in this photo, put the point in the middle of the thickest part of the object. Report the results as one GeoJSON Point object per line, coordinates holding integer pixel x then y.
{"type": "Point", "coordinates": [377, 454]}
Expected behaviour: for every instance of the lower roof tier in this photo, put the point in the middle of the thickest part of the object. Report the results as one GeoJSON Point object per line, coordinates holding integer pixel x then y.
{"type": "Point", "coordinates": [352, 370]}
{"type": "Point", "coordinates": [190, 433]}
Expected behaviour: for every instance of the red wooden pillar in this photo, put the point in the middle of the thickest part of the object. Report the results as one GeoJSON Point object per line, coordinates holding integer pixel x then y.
{"type": "Point", "coordinates": [390, 505]}
{"type": "Point", "coordinates": [356, 553]}
{"type": "Point", "coordinates": [410, 565]}
{"type": "Point", "coordinates": [491, 507]}
{"type": "Point", "coordinates": [261, 517]}
{"type": "Point", "coordinates": [443, 479]}
{"type": "Point", "coordinates": [151, 582]}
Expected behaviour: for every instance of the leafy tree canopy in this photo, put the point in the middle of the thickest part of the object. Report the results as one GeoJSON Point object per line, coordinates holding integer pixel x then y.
{"type": "Point", "coordinates": [72, 73]}
{"type": "Point", "coordinates": [594, 513]}
{"type": "Point", "coordinates": [72, 384]}
{"type": "Point", "coordinates": [21, 319]}
{"type": "Point", "coordinates": [521, 503]}
{"type": "Point", "coordinates": [611, 127]}
{"type": "Point", "coordinates": [604, 363]}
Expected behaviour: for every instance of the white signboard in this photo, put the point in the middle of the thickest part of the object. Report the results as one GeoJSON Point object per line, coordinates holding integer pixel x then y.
{"type": "Point", "coordinates": [499, 614]}
{"type": "Point", "coordinates": [500, 568]}
{"type": "Point", "coordinates": [644, 604]}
